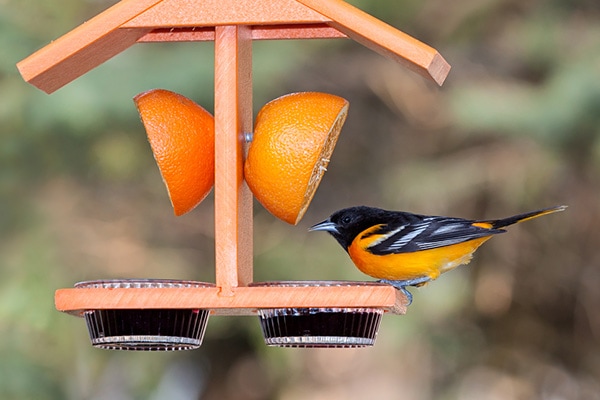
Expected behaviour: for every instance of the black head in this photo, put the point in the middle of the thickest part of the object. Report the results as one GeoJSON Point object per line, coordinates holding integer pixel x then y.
{"type": "Point", "coordinates": [344, 225]}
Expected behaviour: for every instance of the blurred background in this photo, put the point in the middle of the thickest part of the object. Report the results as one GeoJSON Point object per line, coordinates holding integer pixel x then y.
{"type": "Point", "coordinates": [515, 127]}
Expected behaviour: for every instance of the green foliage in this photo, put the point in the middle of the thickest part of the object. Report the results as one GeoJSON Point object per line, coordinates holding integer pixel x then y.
{"type": "Point", "coordinates": [564, 107]}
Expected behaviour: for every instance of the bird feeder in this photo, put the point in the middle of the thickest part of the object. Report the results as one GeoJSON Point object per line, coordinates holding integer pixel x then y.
{"type": "Point", "coordinates": [151, 314]}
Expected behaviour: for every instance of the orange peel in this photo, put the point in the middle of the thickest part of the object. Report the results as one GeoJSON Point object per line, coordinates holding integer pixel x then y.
{"type": "Point", "coordinates": [182, 136]}
{"type": "Point", "coordinates": [294, 137]}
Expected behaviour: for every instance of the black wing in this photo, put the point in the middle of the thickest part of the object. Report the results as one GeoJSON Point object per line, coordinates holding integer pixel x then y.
{"type": "Point", "coordinates": [426, 233]}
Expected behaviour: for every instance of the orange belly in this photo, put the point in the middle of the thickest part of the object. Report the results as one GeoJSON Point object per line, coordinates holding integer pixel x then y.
{"type": "Point", "coordinates": [404, 266]}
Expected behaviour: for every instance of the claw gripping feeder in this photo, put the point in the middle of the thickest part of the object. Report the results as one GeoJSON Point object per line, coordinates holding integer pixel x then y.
{"type": "Point", "coordinates": [165, 315]}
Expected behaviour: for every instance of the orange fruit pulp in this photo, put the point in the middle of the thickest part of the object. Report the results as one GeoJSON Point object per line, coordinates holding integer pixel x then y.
{"type": "Point", "coordinates": [182, 137]}
{"type": "Point", "coordinates": [294, 137]}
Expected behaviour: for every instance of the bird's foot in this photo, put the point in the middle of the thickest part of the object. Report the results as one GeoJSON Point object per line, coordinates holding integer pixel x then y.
{"type": "Point", "coordinates": [402, 284]}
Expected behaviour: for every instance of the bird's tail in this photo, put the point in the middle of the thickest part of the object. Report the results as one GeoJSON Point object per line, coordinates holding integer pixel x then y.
{"type": "Point", "coordinates": [501, 223]}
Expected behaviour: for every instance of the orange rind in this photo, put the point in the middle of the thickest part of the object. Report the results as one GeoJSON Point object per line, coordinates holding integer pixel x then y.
{"type": "Point", "coordinates": [182, 137]}
{"type": "Point", "coordinates": [294, 137]}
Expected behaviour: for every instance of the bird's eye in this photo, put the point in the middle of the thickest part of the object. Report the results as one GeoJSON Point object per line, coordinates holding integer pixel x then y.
{"type": "Point", "coordinates": [346, 220]}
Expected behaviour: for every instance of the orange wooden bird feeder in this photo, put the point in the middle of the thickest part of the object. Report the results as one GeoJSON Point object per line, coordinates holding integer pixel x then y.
{"type": "Point", "coordinates": [232, 25]}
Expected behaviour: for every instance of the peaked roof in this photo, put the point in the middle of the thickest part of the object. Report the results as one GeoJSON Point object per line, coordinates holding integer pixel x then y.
{"type": "Point", "coordinates": [132, 21]}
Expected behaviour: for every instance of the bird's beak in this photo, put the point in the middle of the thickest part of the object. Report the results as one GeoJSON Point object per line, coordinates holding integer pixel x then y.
{"type": "Point", "coordinates": [326, 225]}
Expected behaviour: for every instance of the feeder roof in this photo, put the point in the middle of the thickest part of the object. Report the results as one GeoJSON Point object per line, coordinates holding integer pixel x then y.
{"type": "Point", "coordinates": [133, 21]}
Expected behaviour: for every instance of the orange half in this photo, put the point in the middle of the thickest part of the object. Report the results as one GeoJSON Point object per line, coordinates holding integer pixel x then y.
{"type": "Point", "coordinates": [182, 137]}
{"type": "Point", "coordinates": [294, 137]}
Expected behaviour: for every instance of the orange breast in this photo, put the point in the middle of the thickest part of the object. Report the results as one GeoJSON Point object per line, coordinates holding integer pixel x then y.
{"type": "Point", "coordinates": [403, 266]}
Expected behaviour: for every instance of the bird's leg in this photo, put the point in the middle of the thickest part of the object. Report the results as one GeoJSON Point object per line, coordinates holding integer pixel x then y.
{"type": "Point", "coordinates": [401, 285]}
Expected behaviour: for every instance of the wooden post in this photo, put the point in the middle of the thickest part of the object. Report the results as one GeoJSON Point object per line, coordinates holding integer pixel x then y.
{"type": "Point", "coordinates": [233, 118]}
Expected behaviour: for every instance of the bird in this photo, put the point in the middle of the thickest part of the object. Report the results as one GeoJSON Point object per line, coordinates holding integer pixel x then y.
{"type": "Point", "coordinates": [404, 249]}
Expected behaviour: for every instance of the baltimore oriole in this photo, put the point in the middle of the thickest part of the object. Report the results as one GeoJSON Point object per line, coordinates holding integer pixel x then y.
{"type": "Point", "coordinates": [404, 249]}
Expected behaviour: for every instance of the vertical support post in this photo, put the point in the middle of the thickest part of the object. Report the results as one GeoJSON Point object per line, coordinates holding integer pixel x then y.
{"type": "Point", "coordinates": [233, 118]}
